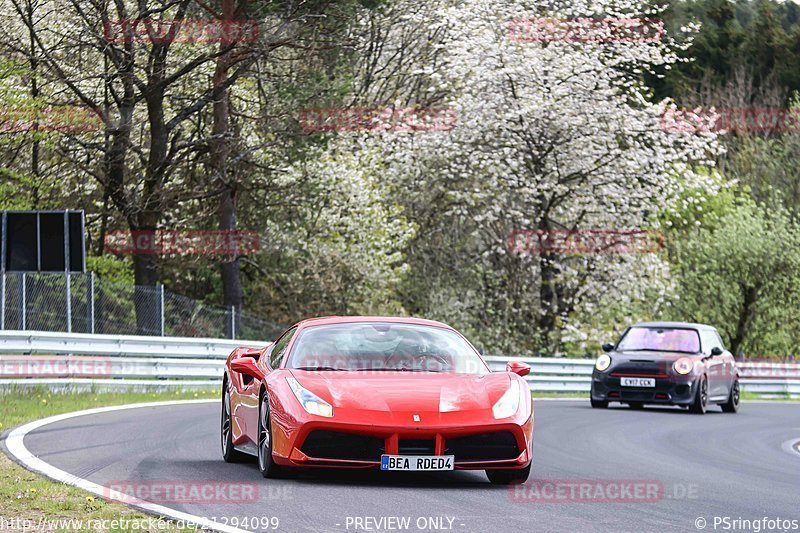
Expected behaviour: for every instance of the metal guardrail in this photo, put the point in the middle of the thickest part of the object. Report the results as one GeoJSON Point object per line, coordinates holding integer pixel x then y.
{"type": "Point", "coordinates": [47, 343]}
{"type": "Point", "coordinates": [61, 361]}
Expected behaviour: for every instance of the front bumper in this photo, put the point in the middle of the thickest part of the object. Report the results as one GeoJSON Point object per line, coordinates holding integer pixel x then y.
{"type": "Point", "coordinates": [342, 445]}
{"type": "Point", "coordinates": [669, 390]}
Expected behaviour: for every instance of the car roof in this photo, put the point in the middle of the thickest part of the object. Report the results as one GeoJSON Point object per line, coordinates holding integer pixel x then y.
{"type": "Point", "coordinates": [686, 325]}
{"type": "Point", "coordinates": [324, 320]}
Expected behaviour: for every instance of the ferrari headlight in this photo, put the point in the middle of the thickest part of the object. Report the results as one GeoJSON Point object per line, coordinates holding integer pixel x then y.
{"type": "Point", "coordinates": [683, 366]}
{"type": "Point", "coordinates": [508, 403]}
{"type": "Point", "coordinates": [310, 401]}
{"type": "Point", "coordinates": [603, 362]}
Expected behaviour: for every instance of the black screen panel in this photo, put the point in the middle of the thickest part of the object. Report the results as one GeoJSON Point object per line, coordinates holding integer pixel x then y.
{"type": "Point", "coordinates": [21, 245]}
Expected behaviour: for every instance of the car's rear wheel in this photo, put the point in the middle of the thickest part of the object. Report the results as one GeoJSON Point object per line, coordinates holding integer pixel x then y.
{"type": "Point", "coordinates": [599, 404]}
{"type": "Point", "coordinates": [732, 405]}
{"type": "Point", "coordinates": [509, 477]}
{"type": "Point", "coordinates": [229, 453]}
{"type": "Point", "coordinates": [701, 397]}
{"type": "Point", "coordinates": [266, 465]}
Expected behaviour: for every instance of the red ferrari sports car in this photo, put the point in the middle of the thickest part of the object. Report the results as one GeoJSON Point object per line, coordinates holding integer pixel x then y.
{"type": "Point", "coordinates": [376, 392]}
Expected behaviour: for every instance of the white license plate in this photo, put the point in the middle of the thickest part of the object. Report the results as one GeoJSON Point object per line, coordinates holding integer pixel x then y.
{"type": "Point", "coordinates": [417, 462]}
{"type": "Point", "coordinates": [638, 382]}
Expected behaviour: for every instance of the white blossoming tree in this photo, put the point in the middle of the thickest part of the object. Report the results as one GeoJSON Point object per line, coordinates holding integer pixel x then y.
{"type": "Point", "coordinates": [551, 134]}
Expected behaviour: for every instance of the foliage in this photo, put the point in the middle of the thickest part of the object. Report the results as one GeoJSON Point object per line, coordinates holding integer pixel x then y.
{"type": "Point", "coordinates": [759, 36]}
{"type": "Point", "coordinates": [530, 151]}
{"type": "Point", "coordinates": [741, 274]}
{"type": "Point", "coordinates": [549, 135]}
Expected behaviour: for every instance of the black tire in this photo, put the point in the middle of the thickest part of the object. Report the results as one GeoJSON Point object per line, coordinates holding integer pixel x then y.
{"type": "Point", "coordinates": [732, 405]}
{"type": "Point", "coordinates": [701, 397]}
{"type": "Point", "coordinates": [636, 405]}
{"type": "Point", "coordinates": [266, 465]}
{"type": "Point", "coordinates": [229, 453]}
{"type": "Point", "coordinates": [599, 404]}
{"type": "Point", "coordinates": [509, 477]}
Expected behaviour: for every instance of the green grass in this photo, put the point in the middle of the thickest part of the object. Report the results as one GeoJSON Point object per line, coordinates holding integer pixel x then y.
{"type": "Point", "coordinates": [575, 395]}
{"type": "Point", "coordinates": [28, 496]}
{"type": "Point", "coordinates": [777, 397]}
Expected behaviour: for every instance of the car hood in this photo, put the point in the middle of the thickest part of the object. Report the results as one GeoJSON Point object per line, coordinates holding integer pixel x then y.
{"type": "Point", "coordinates": [406, 391]}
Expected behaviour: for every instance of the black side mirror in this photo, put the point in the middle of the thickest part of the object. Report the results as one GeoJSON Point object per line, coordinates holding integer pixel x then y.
{"type": "Point", "coordinates": [608, 347]}
{"type": "Point", "coordinates": [716, 350]}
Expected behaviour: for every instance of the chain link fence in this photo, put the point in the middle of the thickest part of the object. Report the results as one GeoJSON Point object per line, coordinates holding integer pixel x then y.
{"type": "Point", "coordinates": [83, 303]}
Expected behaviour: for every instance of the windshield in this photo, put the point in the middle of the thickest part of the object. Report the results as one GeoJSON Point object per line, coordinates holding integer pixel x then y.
{"type": "Point", "coordinates": [383, 346]}
{"type": "Point", "coordinates": [660, 340]}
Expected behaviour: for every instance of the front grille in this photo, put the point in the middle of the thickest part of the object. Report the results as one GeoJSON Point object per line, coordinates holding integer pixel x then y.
{"type": "Point", "coordinates": [416, 446]}
{"type": "Point", "coordinates": [655, 368]}
{"type": "Point", "coordinates": [345, 446]}
{"type": "Point", "coordinates": [496, 446]}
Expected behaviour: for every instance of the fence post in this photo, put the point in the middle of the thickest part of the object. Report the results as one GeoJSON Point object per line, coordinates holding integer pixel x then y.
{"type": "Point", "coordinates": [161, 288]}
{"type": "Point", "coordinates": [233, 322]}
{"type": "Point", "coordinates": [3, 300]}
{"type": "Point", "coordinates": [91, 302]}
{"type": "Point", "coordinates": [69, 302]}
{"type": "Point", "coordinates": [23, 303]}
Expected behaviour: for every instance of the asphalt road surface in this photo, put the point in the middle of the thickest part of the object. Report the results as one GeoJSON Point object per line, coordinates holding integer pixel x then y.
{"type": "Point", "coordinates": [660, 469]}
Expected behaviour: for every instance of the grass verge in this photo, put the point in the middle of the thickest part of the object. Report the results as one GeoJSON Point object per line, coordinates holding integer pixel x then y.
{"type": "Point", "coordinates": [30, 502]}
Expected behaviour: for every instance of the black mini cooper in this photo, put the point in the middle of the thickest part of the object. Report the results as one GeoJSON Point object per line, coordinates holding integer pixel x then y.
{"type": "Point", "coordinates": [668, 363]}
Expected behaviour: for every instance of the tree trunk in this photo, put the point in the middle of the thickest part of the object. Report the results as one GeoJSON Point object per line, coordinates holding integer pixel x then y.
{"type": "Point", "coordinates": [750, 295]}
{"type": "Point", "coordinates": [223, 177]}
{"type": "Point", "coordinates": [548, 297]}
{"type": "Point", "coordinates": [34, 64]}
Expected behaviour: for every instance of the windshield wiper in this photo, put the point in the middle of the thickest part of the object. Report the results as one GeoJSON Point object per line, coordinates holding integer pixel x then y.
{"type": "Point", "coordinates": [318, 368]}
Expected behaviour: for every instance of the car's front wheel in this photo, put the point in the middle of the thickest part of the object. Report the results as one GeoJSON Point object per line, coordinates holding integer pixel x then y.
{"type": "Point", "coordinates": [266, 465]}
{"type": "Point", "coordinates": [229, 453]}
{"type": "Point", "coordinates": [701, 397]}
{"type": "Point", "coordinates": [732, 405]}
{"type": "Point", "coordinates": [509, 477]}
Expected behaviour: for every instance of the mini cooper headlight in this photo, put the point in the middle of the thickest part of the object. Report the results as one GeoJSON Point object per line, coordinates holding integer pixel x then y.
{"type": "Point", "coordinates": [603, 362]}
{"type": "Point", "coordinates": [683, 366]}
{"type": "Point", "coordinates": [310, 401]}
{"type": "Point", "coordinates": [508, 403]}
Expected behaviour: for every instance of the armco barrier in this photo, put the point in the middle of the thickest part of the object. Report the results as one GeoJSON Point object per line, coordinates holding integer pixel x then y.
{"type": "Point", "coordinates": [46, 342]}
{"type": "Point", "coordinates": [62, 361]}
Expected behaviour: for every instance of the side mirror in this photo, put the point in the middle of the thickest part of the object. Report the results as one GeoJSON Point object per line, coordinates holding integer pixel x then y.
{"type": "Point", "coordinates": [247, 366]}
{"type": "Point", "coordinates": [518, 367]}
{"type": "Point", "coordinates": [246, 351]}
{"type": "Point", "coordinates": [608, 347]}
{"type": "Point", "coordinates": [716, 350]}
{"type": "Point", "coordinates": [255, 353]}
